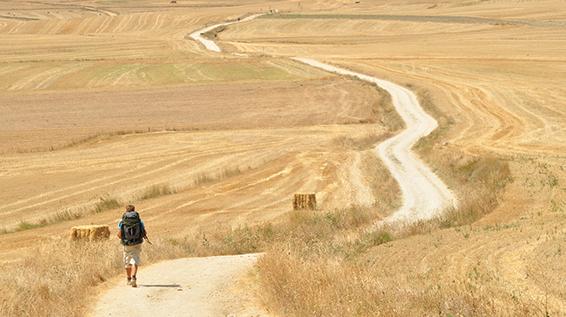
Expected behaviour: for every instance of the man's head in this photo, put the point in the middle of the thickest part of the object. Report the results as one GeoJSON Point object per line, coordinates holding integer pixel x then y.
{"type": "Point", "coordinates": [130, 208]}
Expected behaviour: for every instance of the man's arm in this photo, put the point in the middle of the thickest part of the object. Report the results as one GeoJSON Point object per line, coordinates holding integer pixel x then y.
{"type": "Point", "coordinates": [120, 230]}
{"type": "Point", "coordinates": [143, 230]}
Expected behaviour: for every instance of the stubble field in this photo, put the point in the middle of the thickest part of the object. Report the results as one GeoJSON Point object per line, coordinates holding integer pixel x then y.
{"type": "Point", "coordinates": [107, 102]}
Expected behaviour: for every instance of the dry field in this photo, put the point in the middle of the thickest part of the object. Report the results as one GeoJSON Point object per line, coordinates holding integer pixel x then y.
{"type": "Point", "coordinates": [87, 127]}
{"type": "Point", "coordinates": [107, 102]}
{"type": "Point", "coordinates": [493, 74]}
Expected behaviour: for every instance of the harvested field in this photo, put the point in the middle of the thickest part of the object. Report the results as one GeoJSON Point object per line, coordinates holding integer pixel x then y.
{"type": "Point", "coordinates": [111, 102]}
{"type": "Point", "coordinates": [225, 173]}
{"type": "Point", "coordinates": [494, 79]}
{"type": "Point", "coordinates": [107, 102]}
{"type": "Point", "coordinates": [66, 118]}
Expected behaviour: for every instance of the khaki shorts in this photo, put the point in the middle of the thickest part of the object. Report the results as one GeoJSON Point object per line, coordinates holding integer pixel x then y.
{"type": "Point", "coordinates": [132, 255]}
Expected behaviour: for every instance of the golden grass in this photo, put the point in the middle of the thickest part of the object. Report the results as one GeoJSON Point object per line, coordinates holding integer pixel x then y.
{"type": "Point", "coordinates": [225, 173]}
{"type": "Point", "coordinates": [321, 272]}
{"type": "Point", "coordinates": [315, 263]}
{"type": "Point", "coordinates": [95, 137]}
{"type": "Point", "coordinates": [316, 271]}
{"type": "Point", "coordinates": [57, 277]}
{"type": "Point", "coordinates": [323, 286]}
{"type": "Point", "coordinates": [157, 191]}
{"type": "Point", "coordinates": [315, 266]}
{"type": "Point", "coordinates": [103, 203]}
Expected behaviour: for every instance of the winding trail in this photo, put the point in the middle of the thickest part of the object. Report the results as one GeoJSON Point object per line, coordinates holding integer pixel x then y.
{"type": "Point", "coordinates": [210, 44]}
{"type": "Point", "coordinates": [424, 194]}
{"type": "Point", "coordinates": [198, 286]}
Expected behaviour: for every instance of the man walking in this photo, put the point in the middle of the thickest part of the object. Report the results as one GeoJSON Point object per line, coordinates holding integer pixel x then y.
{"type": "Point", "coordinates": [131, 234]}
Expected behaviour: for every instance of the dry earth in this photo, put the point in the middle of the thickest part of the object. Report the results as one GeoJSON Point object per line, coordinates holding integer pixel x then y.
{"type": "Point", "coordinates": [496, 82]}
{"type": "Point", "coordinates": [185, 287]}
{"type": "Point", "coordinates": [107, 103]}
{"type": "Point", "coordinates": [257, 129]}
{"type": "Point", "coordinates": [491, 72]}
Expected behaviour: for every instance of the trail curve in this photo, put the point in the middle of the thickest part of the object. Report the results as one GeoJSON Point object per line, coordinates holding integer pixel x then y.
{"type": "Point", "coordinates": [424, 194]}
{"type": "Point", "coordinates": [210, 44]}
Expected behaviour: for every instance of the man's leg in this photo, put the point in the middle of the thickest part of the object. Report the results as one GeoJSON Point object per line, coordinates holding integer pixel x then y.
{"type": "Point", "coordinates": [129, 274]}
{"type": "Point", "coordinates": [134, 279]}
{"type": "Point", "coordinates": [134, 270]}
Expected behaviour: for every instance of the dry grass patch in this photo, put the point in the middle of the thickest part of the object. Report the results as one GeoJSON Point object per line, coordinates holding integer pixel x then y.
{"type": "Point", "coordinates": [315, 270]}
{"type": "Point", "coordinates": [104, 203]}
{"type": "Point", "coordinates": [57, 277]}
{"type": "Point", "coordinates": [225, 173]}
{"type": "Point", "coordinates": [324, 286]}
{"type": "Point", "coordinates": [157, 191]}
{"type": "Point", "coordinates": [478, 180]}
{"type": "Point", "coordinates": [328, 273]}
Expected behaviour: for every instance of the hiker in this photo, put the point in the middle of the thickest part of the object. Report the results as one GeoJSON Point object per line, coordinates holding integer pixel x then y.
{"type": "Point", "coordinates": [131, 233]}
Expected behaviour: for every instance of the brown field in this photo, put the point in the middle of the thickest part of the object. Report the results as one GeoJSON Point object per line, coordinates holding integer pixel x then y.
{"type": "Point", "coordinates": [68, 122]}
{"type": "Point", "coordinates": [495, 81]}
{"type": "Point", "coordinates": [106, 102]}
{"type": "Point", "coordinates": [66, 118]}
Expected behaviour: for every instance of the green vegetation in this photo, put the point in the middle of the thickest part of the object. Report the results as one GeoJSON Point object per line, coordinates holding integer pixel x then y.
{"type": "Point", "coordinates": [24, 225]}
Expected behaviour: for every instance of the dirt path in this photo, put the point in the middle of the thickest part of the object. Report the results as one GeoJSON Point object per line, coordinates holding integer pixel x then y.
{"type": "Point", "coordinates": [424, 194]}
{"type": "Point", "coordinates": [198, 286]}
{"type": "Point", "coordinates": [210, 44]}
{"type": "Point", "coordinates": [183, 287]}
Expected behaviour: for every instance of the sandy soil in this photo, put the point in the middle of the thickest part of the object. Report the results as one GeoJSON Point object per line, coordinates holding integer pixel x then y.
{"type": "Point", "coordinates": [183, 287]}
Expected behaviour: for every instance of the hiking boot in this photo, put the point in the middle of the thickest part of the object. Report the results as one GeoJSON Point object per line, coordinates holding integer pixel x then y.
{"type": "Point", "coordinates": [133, 283]}
{"type": "Point", "coordinates": [129, 281]}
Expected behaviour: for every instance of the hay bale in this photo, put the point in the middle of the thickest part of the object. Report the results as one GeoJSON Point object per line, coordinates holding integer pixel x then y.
{"type": "Point", "coordinates": [90, 232]}
{"type": "Point", "coordinates": [304, 201]}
